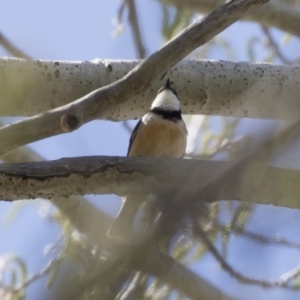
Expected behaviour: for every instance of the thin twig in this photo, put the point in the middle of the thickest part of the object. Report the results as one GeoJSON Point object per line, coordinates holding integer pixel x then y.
{"type": "Point", "coordinates": [272, 43]}
{"type": "Point", "coordinates": [135, 27]}
{"type": "Point", "coordinates": [283, 282]}
{"type": "Point", "coordinates": [30, 278]}
{"type": "Point", "coordinates": [40, 274]}
{"type": "Point", "coordinates": [13, 50]}
{"type": "Point", "coordinates": [278, 240]}
{"type": "Point", "coordinates": [121, 11]}
{"type": "Point", "coordinates": [132, 288]}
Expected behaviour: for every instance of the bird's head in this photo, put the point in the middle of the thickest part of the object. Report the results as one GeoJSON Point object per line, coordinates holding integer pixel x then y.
{"type": "Point", "coordinates": [166, 98]}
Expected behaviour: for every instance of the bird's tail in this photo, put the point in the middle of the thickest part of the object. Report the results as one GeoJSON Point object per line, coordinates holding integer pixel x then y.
{"type": "Point", "coordinates": [123, 226]}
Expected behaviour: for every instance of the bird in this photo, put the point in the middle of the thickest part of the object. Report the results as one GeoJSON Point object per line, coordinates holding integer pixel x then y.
{"type": "Point", "coordinates": [159, 133]}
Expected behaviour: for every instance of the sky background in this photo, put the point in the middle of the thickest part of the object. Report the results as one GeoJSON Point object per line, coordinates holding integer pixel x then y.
{"type": "Point", "coordinates": [82, 30]}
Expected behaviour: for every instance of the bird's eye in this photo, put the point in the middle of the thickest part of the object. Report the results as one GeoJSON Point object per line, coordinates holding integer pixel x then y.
{"type": "Point", "coordinates": [160, 90]}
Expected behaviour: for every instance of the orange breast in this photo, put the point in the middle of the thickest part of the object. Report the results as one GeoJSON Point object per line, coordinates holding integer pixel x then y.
{"type": "Point", "coordinates": [158, 137]}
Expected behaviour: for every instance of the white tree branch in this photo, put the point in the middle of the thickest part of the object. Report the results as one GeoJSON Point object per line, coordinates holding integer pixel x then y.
{"type": "Point", "coordinates": [96, 104]}
{"type": "Point", "coordinates": [276, 13]}
{"type": "Point", "coordinates": [255, 90]}
{"type": "Point", "coordinates": [120, 175]}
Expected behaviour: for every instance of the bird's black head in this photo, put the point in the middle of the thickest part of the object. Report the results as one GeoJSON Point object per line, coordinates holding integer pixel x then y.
{"type": "Point", "coordinates": [167, 86]}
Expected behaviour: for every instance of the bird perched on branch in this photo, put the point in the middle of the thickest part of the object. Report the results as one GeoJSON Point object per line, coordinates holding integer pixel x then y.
{"type": "Point", "coordinates": [160, 133]}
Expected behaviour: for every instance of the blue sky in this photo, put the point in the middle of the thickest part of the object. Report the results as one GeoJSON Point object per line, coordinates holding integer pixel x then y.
{"type": "Point", "coordinates": [82, 30]}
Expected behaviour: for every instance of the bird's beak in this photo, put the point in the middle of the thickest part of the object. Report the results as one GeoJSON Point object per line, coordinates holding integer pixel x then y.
{"type": "Point", "coordinates": [168, 85]}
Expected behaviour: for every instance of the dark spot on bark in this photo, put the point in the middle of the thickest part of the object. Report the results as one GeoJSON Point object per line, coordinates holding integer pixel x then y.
{"type": "Point", "coordinates": [110, 68]}
{"type": "Point", "coordinates": [56, 73]}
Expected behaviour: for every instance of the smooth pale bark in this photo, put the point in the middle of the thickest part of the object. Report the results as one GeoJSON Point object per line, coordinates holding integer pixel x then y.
{"type": "Point", "coordinates": [242, 89]}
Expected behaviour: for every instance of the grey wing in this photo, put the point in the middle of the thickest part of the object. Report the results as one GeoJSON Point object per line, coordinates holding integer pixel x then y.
{"type": "Point", "coordinates": [133, 135]}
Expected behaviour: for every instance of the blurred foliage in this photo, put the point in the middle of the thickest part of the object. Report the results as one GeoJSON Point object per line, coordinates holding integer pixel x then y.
{"type": "Point", "coordinates": [174, 21]}
{"type": "Point", "coordinates": [74, 252]}
{"type": "Point", "coordinates": [88, 266]}
{"type": "Point", "coordinates": [13, 274]}
{"type": "Point", "coordinates": [85, 260]}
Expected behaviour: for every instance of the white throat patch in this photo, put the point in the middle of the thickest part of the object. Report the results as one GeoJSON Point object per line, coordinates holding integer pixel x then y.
{"type": "Point", "coordinates": [166, 100]}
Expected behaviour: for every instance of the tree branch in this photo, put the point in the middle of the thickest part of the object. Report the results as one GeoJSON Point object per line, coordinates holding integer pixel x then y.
{"type": "Point", "coordinates": [133, 19]}
{"type": "Point", "coordinates": [205, 87]}
{"type": "Point", "coordinates": [118, 175]}
{"type": "Point", "coordinates": [13, 50]}
{"type": "Point", "coordinates": [96, 104]}
{"type": "Point", "coordinates": [94, 224]}
{"type": "Point", "coordinates": [277, 14]}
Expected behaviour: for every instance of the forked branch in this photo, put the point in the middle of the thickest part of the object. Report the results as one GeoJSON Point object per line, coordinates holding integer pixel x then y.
{"type": "Point", "coordinates": [94, 105]}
